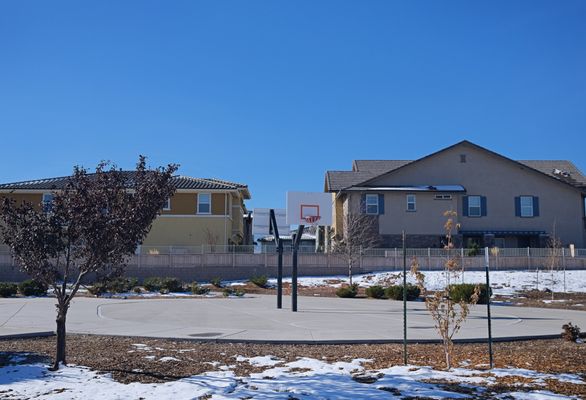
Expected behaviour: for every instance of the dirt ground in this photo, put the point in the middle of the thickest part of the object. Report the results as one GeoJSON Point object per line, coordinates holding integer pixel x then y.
{"type": "Point", "coordinates": [130, 363]}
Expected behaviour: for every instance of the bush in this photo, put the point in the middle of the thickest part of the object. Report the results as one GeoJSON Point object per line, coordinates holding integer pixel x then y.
{"type": "Point", "coordinates": [229, 291]}
{"type": "Point", "coordinates": [196, 288]}
{"type": "Point", "coordinates": [376, 292]}
{"type": "Point", "coordinates": [98, 288]}
{"type": "Point", "coordinates": [348, 291]}
{"type": "Point", "coordinates": [260, 281]}
{"type": "Point", "coordinates": [152, 284]}
{"type": "Point", "coordinates": [172, 285]}
{"type": "Point", "coordinates": [217, 282]}
{"type": "Point", "coordinates": [7, 289]}
{"type": "Point", "coordinates": [121, 285]}
{"type": "Point", "coordinates": [396, 292]}
{"type": "Point", "coordinates": [32, 288]}
{"type": "Point", "coordinates": [464, 292]}
{"type": "Point", "coordinates": [137, 290]}
{"type": "Point", "coordinates": [571, 332]}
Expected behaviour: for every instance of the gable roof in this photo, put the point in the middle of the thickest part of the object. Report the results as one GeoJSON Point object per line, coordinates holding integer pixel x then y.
{"type": "Point", "coordinates": [560, 170]}
{"type": "Point", "coordinates": [179, 181]}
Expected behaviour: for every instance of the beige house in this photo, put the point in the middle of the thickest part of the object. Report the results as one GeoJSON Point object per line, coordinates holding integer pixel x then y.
{"type": "Point", "coordinates": [499, 201]}
{"type": "Point", "coordinates": [202, 211]}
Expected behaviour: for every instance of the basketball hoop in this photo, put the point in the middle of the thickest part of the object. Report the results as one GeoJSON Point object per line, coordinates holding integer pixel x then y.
{"type": "Point", "coordinates": [311, 219]}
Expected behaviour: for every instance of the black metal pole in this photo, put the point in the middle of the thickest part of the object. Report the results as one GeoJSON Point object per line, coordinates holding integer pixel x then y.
{"type": "Point", "coordinates": [486, 265]}
{"type": "Point", "coordinates": [404, 299]}
{"type": "Point", "coordinates": [279, 243]}
{"type": "Point", "coordinates": [294, 272]}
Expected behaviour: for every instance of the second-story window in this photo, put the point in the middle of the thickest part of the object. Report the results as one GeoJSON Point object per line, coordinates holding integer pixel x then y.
{"type": "Point", "coordinates": [167, 205]}
{"type": "Point", "coordinates": [474, 206]}
{"type": "Point", "coordinates": [527, 206]}
{"type": "Point", "coordinates": [411, 202]}
{"type": "Point", "coordinates": [47, 202]}
{"type": "Point", "coordinates": [372, 204]}
{"type": "Point", "coordinates": [204, 201]}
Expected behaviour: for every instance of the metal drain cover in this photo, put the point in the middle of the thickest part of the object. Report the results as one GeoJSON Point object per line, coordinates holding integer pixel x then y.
{"type": "Point", "coordinates": [205, 334]}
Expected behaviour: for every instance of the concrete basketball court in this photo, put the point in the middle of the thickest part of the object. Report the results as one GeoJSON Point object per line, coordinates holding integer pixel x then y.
{"type": "Point", "coordinates": [254, 318]}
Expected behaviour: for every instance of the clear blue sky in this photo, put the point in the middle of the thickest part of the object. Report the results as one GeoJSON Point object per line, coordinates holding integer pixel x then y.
{"type": "Point", "coordinates": [274, 93]}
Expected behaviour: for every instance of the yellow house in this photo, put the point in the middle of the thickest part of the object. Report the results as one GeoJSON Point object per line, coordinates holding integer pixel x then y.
{"type": "Point", "coordinates": [202, 211]}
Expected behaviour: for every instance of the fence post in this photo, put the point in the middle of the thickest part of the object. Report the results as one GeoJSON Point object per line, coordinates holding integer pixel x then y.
{"type": "Point", "coordinates": [429, 258]}
{"type": "Point", "coordinates": [564, 266]}
{"type": "Point", "coordinates": [360, 259]}
{"type": "Point", "coordinates": [396, 256]}
{"type": "Point", "coordinates": [529, 258]}
{"type": "Point", "coordinates": [462, 257]}
{"type": "Point", "coordinates": [233, 256]}
{"type": "Point", "coordinates": [202, 256]}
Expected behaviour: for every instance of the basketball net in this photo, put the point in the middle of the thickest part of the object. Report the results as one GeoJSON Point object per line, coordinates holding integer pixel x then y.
{"type": "Point", "coordinates": [311, 219]}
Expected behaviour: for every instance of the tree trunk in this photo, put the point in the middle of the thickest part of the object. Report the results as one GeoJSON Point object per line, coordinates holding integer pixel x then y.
{"type": "Point", "coordinates": [60, 355]}
{"type": "Point", "coordinates": [350, 272]}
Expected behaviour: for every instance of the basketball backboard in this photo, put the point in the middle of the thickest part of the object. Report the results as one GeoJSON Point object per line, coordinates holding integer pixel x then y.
{"type": "Point", "coordinates": [261, 221]}
{"type": "Point", "coordinates": [309, 208]}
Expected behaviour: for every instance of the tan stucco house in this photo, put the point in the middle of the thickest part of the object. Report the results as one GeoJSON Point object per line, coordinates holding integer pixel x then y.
{"type": "Point", "coordinates": [499, 201]}
{"type": "Point", "coordinates": [201, 212]}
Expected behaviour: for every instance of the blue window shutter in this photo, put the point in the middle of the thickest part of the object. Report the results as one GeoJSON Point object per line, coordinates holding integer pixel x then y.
{"type": "Point", "coordinates": [535, 206]}
{"type": "Point", "coordinates": [517, 206]}
{"type": "Point", "coordinates": [381, 204]}
{"type": "Point", "coordinates": [363, 203]}
{"type": "Point", "coordinates": [483, 206]}
{"type": "Point", "coordinates": [465, 206]}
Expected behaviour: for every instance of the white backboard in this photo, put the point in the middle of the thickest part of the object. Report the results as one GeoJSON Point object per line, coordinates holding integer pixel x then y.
{"type": "Point", "coordinates": [302, 204]}
{"type": "Point", "coordinates": [261, 221]}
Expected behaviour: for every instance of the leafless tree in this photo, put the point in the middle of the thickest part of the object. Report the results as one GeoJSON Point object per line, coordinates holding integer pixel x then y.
{"type": "Point", "coordinates": [446, 313]}
{"type": "Point", "coordinates": [92, 226]}
{"type": "Point", "coordinates": [360, 233]}
{"type": "Point", "coordinates": [553, 258]}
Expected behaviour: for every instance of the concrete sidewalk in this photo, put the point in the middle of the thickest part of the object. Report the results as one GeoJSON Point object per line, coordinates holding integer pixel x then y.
{"type": "Point", "coordinates": [254, 318]}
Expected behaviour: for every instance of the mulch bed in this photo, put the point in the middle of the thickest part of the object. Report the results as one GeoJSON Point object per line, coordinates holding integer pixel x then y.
{"type": "Point", "coordinates": [127, 363]}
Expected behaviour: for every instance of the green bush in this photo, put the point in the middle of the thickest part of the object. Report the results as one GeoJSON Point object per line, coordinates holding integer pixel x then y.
{"type": "Point", "coordinates": [217, 282]}
{"type": "Point", "coordinates": [32, 288]}
{"type": "Point", "coordinates": [171, 285]}
{"type": "Point", "coordinates": [98, 288]}
{"type": "Point", "coordinates": [464, 292]}
{"type": "Point", "coordinates": [7, 289]}
{"type": "Point", "coordinates": [260, 281]}
{"type": "Point", "coordinates": [152, 284]}
{"type": "Point", "coordinates": [229, 291]}
{"type": "Point", "coordinates": [396, 292]}
{"type": "Point", "coordinates": [348, 291]}
{"type": "Point", "coordinates": [121, 285]}
{"type": "Point", "coordinates": [196, 288]}
{"type": "Point", "coordinates": [376, 292]}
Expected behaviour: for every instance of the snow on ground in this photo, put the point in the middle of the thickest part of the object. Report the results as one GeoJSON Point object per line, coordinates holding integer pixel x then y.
{"type": "Point", "coordinates": [502, 282]}
{"type": "Point", "coordinates": [303, 379]}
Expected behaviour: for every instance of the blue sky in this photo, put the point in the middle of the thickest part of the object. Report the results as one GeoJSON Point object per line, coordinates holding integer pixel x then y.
{"type": "Point", "coordinates": [274, 93]}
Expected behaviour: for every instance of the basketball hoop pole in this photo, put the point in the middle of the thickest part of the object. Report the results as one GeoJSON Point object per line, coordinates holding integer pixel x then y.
{"type": "Point", "coordinates": [294, 272]}
{"type": "Point", "coordinates": [279, 243]}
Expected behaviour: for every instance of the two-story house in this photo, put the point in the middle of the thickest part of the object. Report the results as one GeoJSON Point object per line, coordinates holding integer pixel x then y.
{"type": "Point", "coordinates": [499, 201]}
{"type": "Point", "coordinates": [201, 212]}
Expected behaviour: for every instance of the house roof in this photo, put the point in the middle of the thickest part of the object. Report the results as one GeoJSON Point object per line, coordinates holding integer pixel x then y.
{"type": "Point", "coordinates": [179, 181]}
{"type": "Point", "coordinates": [364, 171]}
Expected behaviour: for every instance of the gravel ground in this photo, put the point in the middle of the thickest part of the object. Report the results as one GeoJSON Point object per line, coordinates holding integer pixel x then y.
{"type": "Point", "coordinates": [142, 359]}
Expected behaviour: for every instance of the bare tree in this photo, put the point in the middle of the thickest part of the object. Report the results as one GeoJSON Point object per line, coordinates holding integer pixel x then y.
{"type": "Point", "coordinates": [360, 234]}
{"type": "Point", "coordinates": [92, 226]}
{"type": "Point", "coordinates": [553, 258]}
{"type": "Point", "coordinates": [446, 313]}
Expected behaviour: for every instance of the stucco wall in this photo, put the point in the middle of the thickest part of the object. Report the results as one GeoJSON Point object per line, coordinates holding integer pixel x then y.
{"type": "Point", "coordinates": [188, 230]}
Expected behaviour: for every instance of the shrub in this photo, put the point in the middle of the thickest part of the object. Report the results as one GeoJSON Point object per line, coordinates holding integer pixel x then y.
{"type": "Point", "coordinates": [32, 288]}
{"type": "Point", "coordinates": [464, 292]}
{"type": "Point", "coordinates": [196, 288]}
{"type": "Point", "coordinates": [121, 285]}
{"type": "Point", "coordinates": [348, 291]}
{"type": "Point", "coordinates": [229, 291]}
{"type": "Point", "coordinates": [152, 284]}
{"type": "Point", "coordinates": [376, 292]}
{"type": "Point", "coordinates": [98, 288]}
{"type": "Point", "coordinates": [7, 289]}
{"type": "Point", "coordinates": [217, 282]}
{"type": "Point", "coordinates": [260, 281]}
{"type": "Point", "coordinates": [571, 332]}
{"type": "Point", "coordinates": [137, 290]}
{"type": "Point", "coordinates": [395, 292]}
{"type": "Point", "coordinates": [171, 285]}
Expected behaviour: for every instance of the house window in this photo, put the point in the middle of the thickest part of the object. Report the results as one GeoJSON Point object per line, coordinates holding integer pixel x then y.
{"type": "Point", "coordinates": [526, 206]}
{"type": "Point", "coordinates": [372, 204]}
{"type": "Point", "coordinates": [47, 202]}
{"type": "Point", "coordinates": [167, 205]}
{"type": "Point", "coordinates": [474, 207]}
{"type": "Point", "coordinates": [204, 203]}
{"type": "Point", "coordinates": [411, 206]}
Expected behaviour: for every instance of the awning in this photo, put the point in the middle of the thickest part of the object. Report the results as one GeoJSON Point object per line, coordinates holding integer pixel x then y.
{"type": "Point", "coordinates": [503, 233]}
{"type": "Point", "coordinates": [424, 188]}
